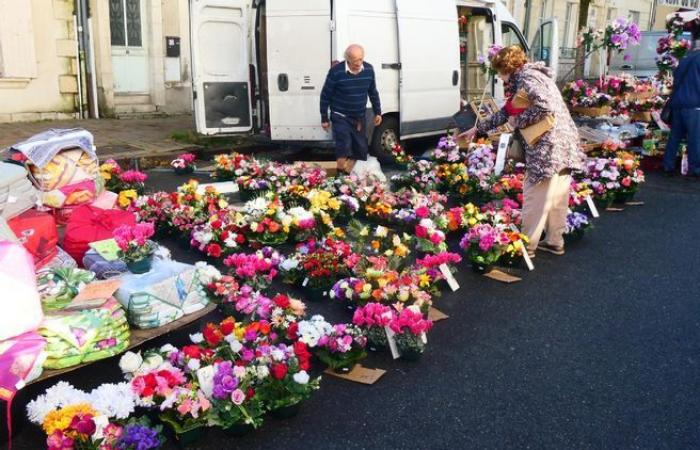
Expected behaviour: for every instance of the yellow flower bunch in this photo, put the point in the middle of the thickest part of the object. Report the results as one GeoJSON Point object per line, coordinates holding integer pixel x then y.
{"type": "Point", "coordinates": [471, 214]}
{"type": "Point", "coordinates": [224, 162]}
{"type": "Point", "coordinates": [60, 419]}
{"type": "Point", "coordinates": [321, 200]}
{"type": "Point", "coordinates": [127, 197]}
{"type": "Point", "coordinates": [628, 161]}
{"type": "Point", "coordinates": [108, 169]}
{"type": "Point", "coordinates": [380, 209]}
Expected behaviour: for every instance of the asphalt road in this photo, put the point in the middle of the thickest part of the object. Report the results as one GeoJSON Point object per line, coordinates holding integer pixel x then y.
{"type": "Point", "coordinates": [599, 348]}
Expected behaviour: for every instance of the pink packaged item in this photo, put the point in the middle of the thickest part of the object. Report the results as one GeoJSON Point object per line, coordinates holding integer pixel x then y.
{"type": "Point", "coordinates": [21, 311]}
{"type": "Point", "coordinates": [106, 200]}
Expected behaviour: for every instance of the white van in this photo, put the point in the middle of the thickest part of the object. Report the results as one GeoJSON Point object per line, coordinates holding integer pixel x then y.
{"type": "Point", "coordinates": [259, 66]}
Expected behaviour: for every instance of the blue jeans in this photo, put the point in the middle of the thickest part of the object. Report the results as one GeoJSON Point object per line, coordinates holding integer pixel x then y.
{"type": "Point", "coordinates": [685, 124]}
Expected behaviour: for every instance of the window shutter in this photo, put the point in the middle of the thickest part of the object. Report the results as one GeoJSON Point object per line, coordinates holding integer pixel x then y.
{"type": "Point", "coordinates": [17, 55]}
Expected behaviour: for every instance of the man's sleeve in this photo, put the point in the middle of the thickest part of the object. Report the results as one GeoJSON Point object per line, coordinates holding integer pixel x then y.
{"type": "Point", "coordinates": [374, 96]}
{"type": "Point", "coordinates": [326, 95]}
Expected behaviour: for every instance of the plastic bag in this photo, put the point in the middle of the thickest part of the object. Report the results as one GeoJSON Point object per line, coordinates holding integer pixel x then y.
{"type": "Point", "coordinates": [368, 169]}
{"type": "Point", "coordinates": [21, 310]}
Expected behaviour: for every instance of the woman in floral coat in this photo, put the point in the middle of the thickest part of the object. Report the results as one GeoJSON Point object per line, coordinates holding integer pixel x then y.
{"type": "Point", "coordinates": [551, 159]}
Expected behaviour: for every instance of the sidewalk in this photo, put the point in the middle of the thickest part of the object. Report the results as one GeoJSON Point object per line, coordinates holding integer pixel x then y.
{"type": "Point", "coordinates": [114, 138]}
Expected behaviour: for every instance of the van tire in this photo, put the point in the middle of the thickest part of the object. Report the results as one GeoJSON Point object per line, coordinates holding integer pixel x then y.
{"type": "Point", "coordinates": [383, 139]}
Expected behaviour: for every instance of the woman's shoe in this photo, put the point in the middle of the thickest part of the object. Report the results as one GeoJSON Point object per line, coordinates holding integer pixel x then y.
{"type": "Point", "coordinates": [553, 249]}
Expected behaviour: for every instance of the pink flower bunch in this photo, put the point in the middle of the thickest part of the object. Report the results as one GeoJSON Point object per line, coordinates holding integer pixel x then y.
{"type": "Point", "coordinates": [430, 238]}
{"type": "Point", "coordinates": [136, 236]}
{"type": "Point", "coordinates": [431, 261]}
{"type": "Point", "coordinates": [160, 383]}
{"type": "Point", "coordinates": [342, 338]}
{"type": "Point", "coordinates": [486, 236]}
{"type": "Point", "coordinates": [257, 269]}
{"type": "Point", "coordinates": [409, 320]}
{"type": "Point", "coordinates": [373, 315]}
{"type": "Point", "coordinates": [133, 177]}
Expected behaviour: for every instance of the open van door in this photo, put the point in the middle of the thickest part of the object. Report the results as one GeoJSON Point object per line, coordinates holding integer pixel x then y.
{"type": "Point", "coordinates": [220, 74]}
{"type": "Point", "coordinates": [298, 59]}
{"type": "Point", "coordinates": [545, 45]}
{"type": "Point", "coordinates": [429, 58]}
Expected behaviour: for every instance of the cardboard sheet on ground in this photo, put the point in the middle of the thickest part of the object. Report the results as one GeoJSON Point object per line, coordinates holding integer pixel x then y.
{"type": "Point", "coordinates": [614, 209]}
{"type": "Point", "coordinates": [502, 277]}
{"type": "Point", "coordinates": [634, 203]}
{"type": "Point", "coordinates": [436, 315]}
{"type": "Point", "coordinates": [359, 374]}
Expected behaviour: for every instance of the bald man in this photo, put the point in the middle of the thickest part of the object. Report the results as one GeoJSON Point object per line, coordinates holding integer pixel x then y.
{"type": "Point", "coordinates": [347, 87]}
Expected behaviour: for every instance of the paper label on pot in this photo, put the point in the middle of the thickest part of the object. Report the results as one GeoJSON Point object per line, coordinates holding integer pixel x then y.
{"type": "Point", "coordinates": [592, 207]}
{"type": "Point", "coordinates": [424, 338]}
{"type": "Point", "coordinates": [306, 281]}
{"type": "Point", "coordinates": [392, 343]}
{"type": "Point", "coordinates": [449, 277]}
{"type": "Point", "coordinates": [528, 260]}
{"type": "Point", "coordinates": [501, 155]}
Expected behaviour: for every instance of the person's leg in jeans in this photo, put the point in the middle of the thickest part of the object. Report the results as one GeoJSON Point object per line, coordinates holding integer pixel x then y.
{"type": "Point", "coordinates": [343, 142]}
{"type": "Point", "coordinates": [556, 219]}
{"type": "Point", "coordinates": [536, 205]}
{"type": "Point", "coordinates": [692, 124]}
{"type": "Point", "coordinates": [678, 132]}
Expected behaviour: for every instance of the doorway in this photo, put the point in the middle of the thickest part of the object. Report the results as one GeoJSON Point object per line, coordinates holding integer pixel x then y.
{"type": "Point", "coordinates": [129, 43]}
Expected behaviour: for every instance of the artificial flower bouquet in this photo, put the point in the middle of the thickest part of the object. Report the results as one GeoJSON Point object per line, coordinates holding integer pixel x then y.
{"type": "Point", "coordinates": [288, 383]}
{"type": "Point", "coordinates": [631, 176]}
{"type": "Point", "coordinates": [509, 186]}
{"type": "Point", "coordinates": [603, 175]}
{"type": "Point", "coordinates": [341, 347]}
{"type": "Point", "coordinates": [410, 331]}
{"type": "Point", "coordinates": [268, 222]}
{"type": "Point", "coordinates": [578, 193]}
{"type": "Point", "coordinates": [373, 318]}
{"type": "Point", "coordinates": [454, 179]}
{"type": "Point", "coordinates": [230, 167]}
{"type": "Point", "coordinates": [461, 218]}
{"type": "Point", "coordinates": [434, 267]}
{"type": "Point", "coordinates": [135, 247]}
{"type": "Point", "coordinates": [484, 245]}
{"type": "Point", "coordinates": [154, 208]}
{"type": "Point", "coordinates": [236, 405]}
{"type": "Point", "coordinates": [576, 225]}
{"type": "Point", "coordinates": [303, 223]}
{"type": "Point", "coordinates": [324, 263]}
{"type": "Point", "coordinates": [620, 34]}
{"type": "Point", "coordinates": [325, 207]}
{"type": "Point", "coordinates": [379, 241]}
{"type": "Point", "coordinates": [447, 152]}
{"type": "Point", "coordinates": [222, 234]}
{"type": "Point", "coordinates": [484, 61]}
{"type": "Point", "coordinates": [184, 163]}
{"type": "Point", "coordinates": [400, 156]}
{"type": "Point", "coordinates": [429, 238]}
{"type": "Point", "coordinates": [420, 176]}
{"type": "Point", "coordinates": [117, 179]}
{"type": "Point", "coordinates": [256, 270]}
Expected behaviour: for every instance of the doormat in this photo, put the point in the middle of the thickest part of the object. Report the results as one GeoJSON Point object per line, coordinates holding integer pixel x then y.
{"type": "Point", "coordinates": [436, 315]}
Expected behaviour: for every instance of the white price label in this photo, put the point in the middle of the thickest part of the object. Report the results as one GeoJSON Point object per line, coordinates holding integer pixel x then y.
{"type": "Point", "coordinates": [592, 207]}
{"type": "Point", "coordinates": [526, 256]}
{"type": "Point", "coordinates": [11, 199]}
{"type": "Point", "coordinates": [449, 277]}
{"type": "Point", "coordinates": [392, 343]}
{"type": "Point", "coordinates": [424, 338]}
{"type": "Point", "coordinates": [501, 155]}
{"type": "Point", "coordinates": [305, 282]}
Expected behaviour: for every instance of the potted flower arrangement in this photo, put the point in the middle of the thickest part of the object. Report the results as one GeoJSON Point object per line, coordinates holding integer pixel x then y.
{"type": "Point", "coordinates": [222, 292]}
{"type": "Point", "coordinates": [269, 224]}
{"type": "Point", "coordinates": [256, 270]}
{"type": "Point", "coordinates": [230, 167]}
{"type": "Point", "coordinates": [603, 178]}
{"type": "Point", "coordinates": [321, 269]}
{"type": "Point", "coordinates": [154, 208]}
{"type": "Point", "coordinates": [184, 164]}
{"type": "Point", "coordinates": [433, 266]}
{"type": "Point", "coordinates": [631, 176]}
{"type": "Point", "coordinates": [454, 179]}
{"type": "Point", "coordinates": [222, 234]}
{"type": "Point", "coordinates": [135, 248]}
{"type": "Point", "coordinates": [303, 223]}
{"type": "Point", "coordinates": [429, 238]}
{"type": "Point", "coordinates": [288, 384]}
{"type": "Point", "coordinates": [116, 179]}
{"type": "Point", "coordinates": [420, 175]}
{"type": "Point", "coordinates": [484, 245]}
{"type": "Point", "coordinates": [447, 152]}
{"type": "Point", "coordinates": [576, 225]}
{"type": "Point", "coordinates": [410, 328]}
{"type": "Point", "coordinates": [236, 406]}
{"type": "Point", "coordinates": [342, 347]}
{"type": "Point", "coordinates": [401, 158]}
{"type": "Point", "coordinates": [373, 318]}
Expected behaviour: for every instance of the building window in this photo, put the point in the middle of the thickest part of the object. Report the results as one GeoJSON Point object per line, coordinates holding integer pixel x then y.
{"type": "Point", "coordinates": [612, 14]}
{"type": "Point", "coordinates": [634, 16]}
{"type": "Point", "coordinates": [570, 22]}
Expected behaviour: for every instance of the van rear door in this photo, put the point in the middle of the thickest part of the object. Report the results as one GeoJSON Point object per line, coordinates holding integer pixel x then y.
{"type": "Point", "coordinates": [545, 45]}
{"type": "Point", "coordinates": [220, 60]}
{"type": "Point", "coordinates": [429, 57]}
{"type": "Point", "coordinates": [298, 59]}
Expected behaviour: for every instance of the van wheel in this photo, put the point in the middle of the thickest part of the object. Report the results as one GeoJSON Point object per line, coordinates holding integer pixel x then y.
{"type": "Point", "coordinates": [385, 136]}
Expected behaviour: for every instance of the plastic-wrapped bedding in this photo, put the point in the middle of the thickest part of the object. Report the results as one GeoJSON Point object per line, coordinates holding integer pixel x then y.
{"type": "Point", "coordinates": [166, 293]}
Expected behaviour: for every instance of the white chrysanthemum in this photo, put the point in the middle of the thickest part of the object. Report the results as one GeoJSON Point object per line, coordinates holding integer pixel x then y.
{"type": "Point", "coordinates": [114, 400]}
{"type": "Point", "coordinates": [57, 396]}
{"type": "Point", "coordinates": [194, 364]}
{"type": "Point", "coordinates": [301, 377]}
{"type": "Point", "coordinates": [38, 408]}
{"type": "Point", "coordinates": [197, 338]}
{"type": "Point", "coordinates": [263, 372]}
{"type": "Point", "coordinates": [168, 348]}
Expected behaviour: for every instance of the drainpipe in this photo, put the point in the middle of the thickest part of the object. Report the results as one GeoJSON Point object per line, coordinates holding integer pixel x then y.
{"type": "Point", "coordinates": [87, 63]}
{"type": "Point", "coordinates": [526, 26]}
{"type": "Point", "coordinates": [80, 70]}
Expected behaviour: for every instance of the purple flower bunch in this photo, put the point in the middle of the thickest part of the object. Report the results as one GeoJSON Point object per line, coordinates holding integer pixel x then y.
{"type": "Point", "coordinates": [342, 338]}
{"type": "Point", "coordinates": [486, 236]}
{"type": "Point", "coordinates": [139, 437]}
{"type": "Point", "coordinates": [603, 175]}
{"type": "Point", "coordinates": [621, 34]}
{"type": "Point", "coordinates": [225, 381]}
{"type": "Point", "coordinates": [576, 221]}
{"type": "Point", "coordinates": [480, 161]}
{"type": "Point", "coordinates": [447, 151]}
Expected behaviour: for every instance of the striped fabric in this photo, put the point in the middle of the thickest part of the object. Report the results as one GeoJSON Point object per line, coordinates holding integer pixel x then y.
{"type": "Point", "coordinates": [347, 94]}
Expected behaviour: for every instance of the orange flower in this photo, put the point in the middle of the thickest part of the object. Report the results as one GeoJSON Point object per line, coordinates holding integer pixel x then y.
{"type": "Point", "coordinates": [375, 245]}
{"type": "Point", "coordinates": [274, 227]}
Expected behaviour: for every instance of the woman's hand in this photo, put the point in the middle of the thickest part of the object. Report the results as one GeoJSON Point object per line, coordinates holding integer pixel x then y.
{"type": "Point", "coordinates": [468, 135]}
